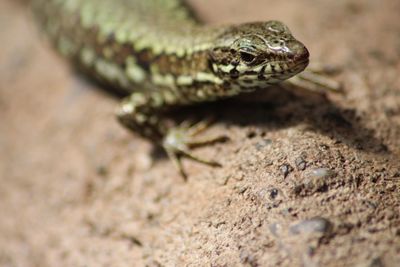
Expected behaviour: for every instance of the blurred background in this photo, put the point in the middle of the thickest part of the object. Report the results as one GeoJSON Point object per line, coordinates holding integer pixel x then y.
{"type": "Point", "coordinates": [76, 189]}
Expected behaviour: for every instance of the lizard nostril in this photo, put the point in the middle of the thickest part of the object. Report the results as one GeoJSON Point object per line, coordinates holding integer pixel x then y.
{"type": "Point", "coordinates": [304, 55]}
{"type": "Point", "coordinates": [301, 54]}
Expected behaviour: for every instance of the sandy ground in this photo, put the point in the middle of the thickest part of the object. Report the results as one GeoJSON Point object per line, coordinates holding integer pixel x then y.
{"type": "Point", "coordinates": [307, 180]}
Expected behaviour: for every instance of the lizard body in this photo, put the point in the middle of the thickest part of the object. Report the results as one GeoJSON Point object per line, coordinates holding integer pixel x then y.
{"type": "Point", "coordinates": [160, 54]}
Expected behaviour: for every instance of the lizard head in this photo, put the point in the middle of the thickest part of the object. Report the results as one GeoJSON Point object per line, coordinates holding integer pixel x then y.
{"type": "Point", "coordinates": [255, 55]}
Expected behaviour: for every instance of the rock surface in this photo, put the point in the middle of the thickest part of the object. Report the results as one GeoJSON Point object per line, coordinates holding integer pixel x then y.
{"type": "Point", "coordinates": [307, 180]}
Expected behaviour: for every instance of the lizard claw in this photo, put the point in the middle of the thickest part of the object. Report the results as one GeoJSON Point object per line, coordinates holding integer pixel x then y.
{"type": "Point", "coordinates": [315, 79]}
{"type": "Point", "coordinates": [179, 140]}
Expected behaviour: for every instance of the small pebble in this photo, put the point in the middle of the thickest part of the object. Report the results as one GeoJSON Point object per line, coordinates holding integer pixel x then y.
{"type": "Point", "coordinates": [301, 164]}
{"type": "Point", "coordinates": [262, 144]}
{"type": "Point", "coordinates": [273, 193]}
{"type": "Point", "coordinates": [246, 257]}
{"type": "Point", "coordinates": [275, 228]}
{"type": "Point", "coordinates": [321, 173]}
{"type": "Point", "coordinates": [314, 225]}
{"type": "Point", "coordinates": [285, 170]}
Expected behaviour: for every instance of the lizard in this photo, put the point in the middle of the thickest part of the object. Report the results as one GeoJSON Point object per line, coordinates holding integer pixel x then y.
{"type": "Point", "coordinates": [162, 56]}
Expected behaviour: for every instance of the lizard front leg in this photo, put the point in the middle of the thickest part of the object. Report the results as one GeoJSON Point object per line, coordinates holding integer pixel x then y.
{"type": "Point", "coordinates": [315, 79]}
{"type": "Point", "coordinates": [143, 114]}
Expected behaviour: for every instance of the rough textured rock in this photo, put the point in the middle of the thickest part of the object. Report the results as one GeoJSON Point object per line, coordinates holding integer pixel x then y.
{"type": "Point", "coordinates": [307, 180]}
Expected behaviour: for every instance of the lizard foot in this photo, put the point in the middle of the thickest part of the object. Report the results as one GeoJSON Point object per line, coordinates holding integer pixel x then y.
{"type": "Point", "coordinates": [315, 78]}
{"type": "Point", "coordinates": [180, 140]}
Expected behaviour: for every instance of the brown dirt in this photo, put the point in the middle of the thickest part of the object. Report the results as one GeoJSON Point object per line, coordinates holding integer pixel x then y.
{"type": "Point", "coordinates": [307, 180]}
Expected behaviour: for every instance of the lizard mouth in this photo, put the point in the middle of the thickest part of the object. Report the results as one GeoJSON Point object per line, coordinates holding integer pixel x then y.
{"type": "Point", "coordinates": [301, 63]}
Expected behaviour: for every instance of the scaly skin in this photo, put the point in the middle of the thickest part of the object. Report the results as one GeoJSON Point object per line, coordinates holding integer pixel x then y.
{"type": "Point", "coordinates": [160, 54]}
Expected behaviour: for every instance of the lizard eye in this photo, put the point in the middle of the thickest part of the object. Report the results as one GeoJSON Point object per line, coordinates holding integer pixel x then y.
{"type": "Point", "coordinates": [247, 57]}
